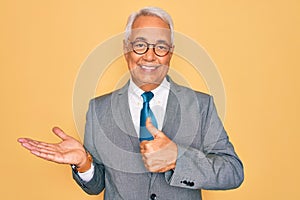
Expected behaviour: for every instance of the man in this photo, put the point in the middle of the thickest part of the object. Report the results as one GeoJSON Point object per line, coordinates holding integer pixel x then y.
{"type": "Point", "coordinates": [184, 147]}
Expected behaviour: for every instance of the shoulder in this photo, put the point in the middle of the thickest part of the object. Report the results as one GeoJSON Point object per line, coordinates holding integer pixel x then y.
{"type": "Point", "coordinates": [189, 93]}
{"type": "Point", "coordinates": [106, 99]}
{"type": "Point", "coordinates": [101, 99]}
{"type": "Point", "coordinates": [100, 102]}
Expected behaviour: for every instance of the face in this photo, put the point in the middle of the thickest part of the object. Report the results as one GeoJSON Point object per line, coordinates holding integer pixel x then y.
{"type": "Point", "coordinates": [148, 70]}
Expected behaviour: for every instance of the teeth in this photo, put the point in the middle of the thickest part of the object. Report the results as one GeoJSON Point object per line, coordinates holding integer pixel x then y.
{"type": "Point", "coordinates": [148, 67]}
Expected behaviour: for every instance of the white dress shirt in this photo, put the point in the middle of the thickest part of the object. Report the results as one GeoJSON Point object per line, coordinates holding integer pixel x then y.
{"type": "Point", "coordinates": [158, 105]}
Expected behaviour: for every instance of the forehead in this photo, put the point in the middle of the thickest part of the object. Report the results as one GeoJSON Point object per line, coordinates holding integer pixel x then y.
{"type": "Point", "coordinates": [150, 28]}
{"type": "Point", "coordinates": [149, 21]}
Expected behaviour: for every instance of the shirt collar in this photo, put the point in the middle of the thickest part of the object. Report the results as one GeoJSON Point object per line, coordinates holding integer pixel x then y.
{"type": "Point", "coordinates": [135, 90]}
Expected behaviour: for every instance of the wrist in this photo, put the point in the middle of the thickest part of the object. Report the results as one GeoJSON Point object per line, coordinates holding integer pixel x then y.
{"type": "Point", "coordinates": [86, 165]}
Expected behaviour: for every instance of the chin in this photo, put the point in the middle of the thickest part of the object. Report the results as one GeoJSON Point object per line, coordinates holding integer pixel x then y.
{"type": "Point", "coordinates": [151, 80]}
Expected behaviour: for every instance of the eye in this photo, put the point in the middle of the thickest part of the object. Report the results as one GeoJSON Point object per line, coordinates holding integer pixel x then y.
{"type": "Point", "coordinates": [162, 47]}
{"type": "Point", "coordinates": [139, 45]}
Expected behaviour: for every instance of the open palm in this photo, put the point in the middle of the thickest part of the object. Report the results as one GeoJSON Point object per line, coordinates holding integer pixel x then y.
{"type": "Point", "coordinates": [68, 151]}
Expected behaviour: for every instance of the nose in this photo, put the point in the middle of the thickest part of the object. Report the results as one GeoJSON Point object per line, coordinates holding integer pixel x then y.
{"type": "Point", "coordinates": [149, 55]}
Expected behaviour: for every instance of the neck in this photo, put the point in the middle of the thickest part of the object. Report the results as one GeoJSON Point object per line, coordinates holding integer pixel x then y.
{"type": "Point", "coordinates": [149, 87]}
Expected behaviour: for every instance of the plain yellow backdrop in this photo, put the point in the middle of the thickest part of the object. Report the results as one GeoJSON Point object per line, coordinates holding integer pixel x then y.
{"type": "Point", "coordinates": [255, 45]}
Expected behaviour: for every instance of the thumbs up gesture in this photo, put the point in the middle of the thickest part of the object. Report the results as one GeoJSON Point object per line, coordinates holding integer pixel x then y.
{"type": "Point", "coordinates": [159, 154]}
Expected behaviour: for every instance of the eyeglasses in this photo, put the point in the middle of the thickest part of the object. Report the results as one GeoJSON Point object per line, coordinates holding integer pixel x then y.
{"type": "Point", "coordinates": [141, 47]}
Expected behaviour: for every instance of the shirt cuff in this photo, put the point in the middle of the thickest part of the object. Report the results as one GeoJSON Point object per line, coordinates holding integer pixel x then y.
{"type": "Point", "coordinates": [88, 175]}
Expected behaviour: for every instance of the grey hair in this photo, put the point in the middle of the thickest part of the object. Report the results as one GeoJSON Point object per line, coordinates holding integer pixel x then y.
{"type": "Point", "coordinates": [149, 11]}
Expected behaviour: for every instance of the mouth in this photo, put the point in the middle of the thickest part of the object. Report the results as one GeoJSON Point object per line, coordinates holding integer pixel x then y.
{"type": "Point", "coordinates": [149, 67]}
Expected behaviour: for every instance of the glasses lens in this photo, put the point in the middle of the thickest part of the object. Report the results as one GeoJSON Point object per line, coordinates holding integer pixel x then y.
{"type": "Point", "coordinates": [139, 47]}
{"type": "Point", "coordinates": [161, 49]}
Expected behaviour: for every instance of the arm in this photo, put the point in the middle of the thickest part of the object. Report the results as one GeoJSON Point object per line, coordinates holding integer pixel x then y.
{"type": "Point", "coordinates": [211, 165]}
{"type": "Point", "coordinates": [96, 184]}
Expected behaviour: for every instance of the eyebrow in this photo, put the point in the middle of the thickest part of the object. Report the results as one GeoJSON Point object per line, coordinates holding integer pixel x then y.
{"type": "Point", "coordinates": [141, 38]}
{"type": "Point", "coordinates": [144, 39]}
{"type": "Point", "coordinates": [162, 41]}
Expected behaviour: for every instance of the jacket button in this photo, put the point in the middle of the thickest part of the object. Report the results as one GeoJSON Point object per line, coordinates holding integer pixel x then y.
{"type": "Point", "coordinates": [185, 182]}
{"type": "Point", "coordinates": [153, 196]}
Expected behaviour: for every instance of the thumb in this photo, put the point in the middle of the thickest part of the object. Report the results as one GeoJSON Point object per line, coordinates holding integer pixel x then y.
{"type": "Point", "coordinates": [57, 131]}
{"type": "Point", "coordinates": [151, 128]}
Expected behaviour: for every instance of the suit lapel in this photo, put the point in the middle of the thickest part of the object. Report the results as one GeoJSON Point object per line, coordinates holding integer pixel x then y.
{"type": "Point", "coordinates": [172, 115]}
{"type": "Point", "coordinates": [123, 116]}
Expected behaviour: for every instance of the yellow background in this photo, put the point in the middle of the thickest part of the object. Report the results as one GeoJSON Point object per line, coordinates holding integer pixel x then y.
{"type": "Point", "coordinates": [255, 45]}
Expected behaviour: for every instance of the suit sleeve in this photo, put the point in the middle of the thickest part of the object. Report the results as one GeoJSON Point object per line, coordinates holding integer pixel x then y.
{"type": "Point", "coordinates": [96, 184]}
{"type": "Point", "coordinates": [212, 164]}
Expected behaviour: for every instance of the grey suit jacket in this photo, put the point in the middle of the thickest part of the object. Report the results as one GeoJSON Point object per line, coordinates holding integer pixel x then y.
{"type": "Point", "coordinates": [206, 158]}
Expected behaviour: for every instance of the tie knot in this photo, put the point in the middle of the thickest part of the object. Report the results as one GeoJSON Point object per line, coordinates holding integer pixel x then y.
{"type": "Point", "coordinates": [147, 96]}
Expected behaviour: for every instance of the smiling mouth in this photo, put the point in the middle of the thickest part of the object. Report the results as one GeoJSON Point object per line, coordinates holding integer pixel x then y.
{"type": "Point", "coordinates": [150, 68]}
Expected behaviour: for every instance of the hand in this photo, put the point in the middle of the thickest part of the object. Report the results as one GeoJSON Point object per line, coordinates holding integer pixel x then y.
{"type": "Point", "coordinates": [69, 151]}
{"type": "Point", "coordinates": [160, 154]}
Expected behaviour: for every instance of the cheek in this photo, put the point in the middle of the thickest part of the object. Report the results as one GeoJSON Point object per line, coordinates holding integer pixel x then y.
{"type": "Point", "coordinates": [165, 60]}
{"type": "Point", "coordinates": [131, 60]}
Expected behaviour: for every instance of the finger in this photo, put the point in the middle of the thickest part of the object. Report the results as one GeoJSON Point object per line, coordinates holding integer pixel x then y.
{"type": "Point", "coordinates": [22, 140]}
{"type": "Point", "coordinates": [60, 133]}
{"type": "Point", "coordinates": [34, 147]}
{"type": "Point", "coordinates": [143, 144]}
{"type": "Point", "coordinates": [147, 147]}
{"type": "Point", "coordinates": [27, 143]}
{"type": "Point", "coordinates": [36, 143]}
{"type": "Point", "coordinates": [50, 156]}
{"type": "Point", "coordinates": [45, 150]}
{"type": "Point", "coordinates": [46, 156]}
{"type": "Point", "coordinates": [147, 156]}
{"type": "Point", "coordinates": [28, 146]}
{"type": "Point", "coordinates": [164, 169]}
{"type": "Point", "coordinates": [152, 129]}
{"type": "Point", "coordinates": [43, 145]}
{"type": "Point", "coordinates": [152, 166]}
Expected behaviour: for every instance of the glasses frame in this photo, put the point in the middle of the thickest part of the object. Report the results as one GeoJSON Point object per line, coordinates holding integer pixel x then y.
{"type": "Point", "coordinates": [153, 47]}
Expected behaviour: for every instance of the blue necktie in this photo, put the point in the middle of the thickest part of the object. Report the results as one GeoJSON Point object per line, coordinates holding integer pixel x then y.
{"type": "Point", "coordinates": [145, 113]}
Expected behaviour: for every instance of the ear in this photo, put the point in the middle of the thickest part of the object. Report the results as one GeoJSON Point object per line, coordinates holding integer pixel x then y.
{"type": "Point", "coordinates": [125, 49]}
{"type": "Point", "coordinates": [171, 51]}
